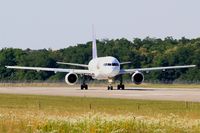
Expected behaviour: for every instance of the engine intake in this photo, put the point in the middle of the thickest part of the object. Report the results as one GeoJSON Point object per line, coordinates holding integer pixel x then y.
{"type": "Point", "coordinates": [71, 78]}
{"type": "Point", "coordinates": [137, 78]}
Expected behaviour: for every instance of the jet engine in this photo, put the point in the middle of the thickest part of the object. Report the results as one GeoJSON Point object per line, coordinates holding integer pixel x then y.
{"type": "Point", "coordinates": [137, 78]}
{"type": "Point", "coordinates": [71, 78]}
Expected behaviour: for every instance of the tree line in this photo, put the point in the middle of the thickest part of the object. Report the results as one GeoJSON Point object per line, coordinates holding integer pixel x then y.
{"type": "Point", "coordinates": [148, 52]}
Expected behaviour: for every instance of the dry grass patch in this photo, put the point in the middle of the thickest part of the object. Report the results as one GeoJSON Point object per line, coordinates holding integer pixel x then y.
{"type": "Point", "coordinates": [27, 113]}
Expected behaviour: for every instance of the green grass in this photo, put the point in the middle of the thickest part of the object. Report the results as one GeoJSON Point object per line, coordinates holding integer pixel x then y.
{"type": "Point", "coordinates": [77, 105]}
{"type": "Point", "coordinates": [28, 113]}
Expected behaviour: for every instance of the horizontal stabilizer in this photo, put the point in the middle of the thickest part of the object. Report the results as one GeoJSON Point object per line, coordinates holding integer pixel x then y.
{"type": "Point", "coordinates": [72, 64]}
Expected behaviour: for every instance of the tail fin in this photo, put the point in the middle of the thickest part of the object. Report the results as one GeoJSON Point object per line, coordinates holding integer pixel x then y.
{"type": "Point", "coordinates": [94, 45]}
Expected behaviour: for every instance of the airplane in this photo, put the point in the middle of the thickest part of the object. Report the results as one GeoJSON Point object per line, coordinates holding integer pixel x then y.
{"type": "Point", "coordinates": [100, 68]}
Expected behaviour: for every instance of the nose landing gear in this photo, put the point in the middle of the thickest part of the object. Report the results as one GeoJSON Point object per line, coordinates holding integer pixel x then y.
{"type": "Point", "coordinates": [120, 86]}
{"type": "Point", "coordinates": [110, 87]}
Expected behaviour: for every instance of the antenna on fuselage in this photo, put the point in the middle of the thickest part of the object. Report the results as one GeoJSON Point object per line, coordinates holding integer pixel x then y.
{"type": "Point", "coordinates": [94, 45]}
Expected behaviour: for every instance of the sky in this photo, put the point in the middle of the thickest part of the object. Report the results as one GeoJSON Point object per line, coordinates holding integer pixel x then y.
{"type": "Point", "coordinates": [56, 24]}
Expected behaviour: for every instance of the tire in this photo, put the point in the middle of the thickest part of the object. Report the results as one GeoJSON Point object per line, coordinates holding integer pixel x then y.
{"type": "Point", "coordinates": [123, 87]}
{"type": "Point", "coordinates": [82, 87]}
{"type": "Point", "coordinates": [118, 87]}
{"type": "Point", "coordinates": [111, 87]}
{"type": "Point", "coordinates": [108, 87]}
{"type": "Point", "coordinates": [86, 87]}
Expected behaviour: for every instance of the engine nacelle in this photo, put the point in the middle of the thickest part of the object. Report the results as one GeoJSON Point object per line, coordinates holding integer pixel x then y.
{"type": "Point", "coordinates": [137, 78]}
{"type": "Point", "coordinates": [71, 78]}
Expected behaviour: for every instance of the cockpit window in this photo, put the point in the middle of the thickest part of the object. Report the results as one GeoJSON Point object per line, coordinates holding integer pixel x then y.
{"type": "Point", "coordinates": [111, 64]}
{"type": "Point", "coordinates": [115, 64]}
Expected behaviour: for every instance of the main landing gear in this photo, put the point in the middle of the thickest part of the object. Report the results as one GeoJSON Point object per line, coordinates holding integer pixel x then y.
{"type": "Point", "coordinates": [84, 85]}
{"type": "Point", "coordinates": [121, 85]}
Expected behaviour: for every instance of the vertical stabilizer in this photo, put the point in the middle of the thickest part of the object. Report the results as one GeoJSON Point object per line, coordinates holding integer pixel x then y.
{"type": "Point", "coordinates": [94, 45]}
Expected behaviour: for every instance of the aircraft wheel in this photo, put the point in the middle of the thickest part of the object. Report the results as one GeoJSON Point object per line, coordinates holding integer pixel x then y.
{"type": "Point", "coordinates": [121, 86]}
{"type": "Point", "coordinates": [110, 87]}
{"type": "Point", "coordinates": [81, 87]}
{"type": "Point", "coordinates": [84, 86]}
{"type": "Point", "coordinates": [118, 87]}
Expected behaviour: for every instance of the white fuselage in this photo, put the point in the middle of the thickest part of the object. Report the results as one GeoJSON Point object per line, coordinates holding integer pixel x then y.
{"type": "Point", "coordinates": [104, 67]}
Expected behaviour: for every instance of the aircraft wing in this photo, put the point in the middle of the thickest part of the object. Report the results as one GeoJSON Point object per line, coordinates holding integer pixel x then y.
{"type": "Point", "coordinates": [125, 71]}
{"type": "Point", "coordinates": [73, 64]}
{"type": "Point", "coordinates": [124, 63]}
{"type": "Point", "coordinates": [77, 71]}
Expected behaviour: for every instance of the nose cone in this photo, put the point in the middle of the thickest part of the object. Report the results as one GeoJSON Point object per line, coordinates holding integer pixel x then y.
{"type": "Point", "coordinates": [112, 72]}
{"type": "Point", "coordinates": [110, 67]}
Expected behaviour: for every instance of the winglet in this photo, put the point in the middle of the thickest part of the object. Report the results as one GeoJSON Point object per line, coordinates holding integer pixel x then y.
{"type": "Point", "coordinates": [94, 47]}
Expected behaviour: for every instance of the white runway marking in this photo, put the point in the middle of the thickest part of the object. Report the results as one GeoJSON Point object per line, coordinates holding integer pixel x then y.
{"type": "Point", "coordinates": [137, 93]}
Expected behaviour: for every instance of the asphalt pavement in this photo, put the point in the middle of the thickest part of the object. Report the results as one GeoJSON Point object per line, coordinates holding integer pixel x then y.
{"type": "Point", "coordinates": [175, 94]}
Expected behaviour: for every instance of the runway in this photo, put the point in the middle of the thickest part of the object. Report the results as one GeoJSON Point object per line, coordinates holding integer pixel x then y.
{"type": "Point", "coordinates": [175, 94]}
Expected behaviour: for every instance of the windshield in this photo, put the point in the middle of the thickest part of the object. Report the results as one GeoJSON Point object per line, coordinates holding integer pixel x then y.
{"type": "Point", "coordinates": [111, 64]}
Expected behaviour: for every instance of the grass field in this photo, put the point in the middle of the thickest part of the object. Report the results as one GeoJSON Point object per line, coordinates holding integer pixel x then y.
{"type": "Point", "coordinates": [27, 113]}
